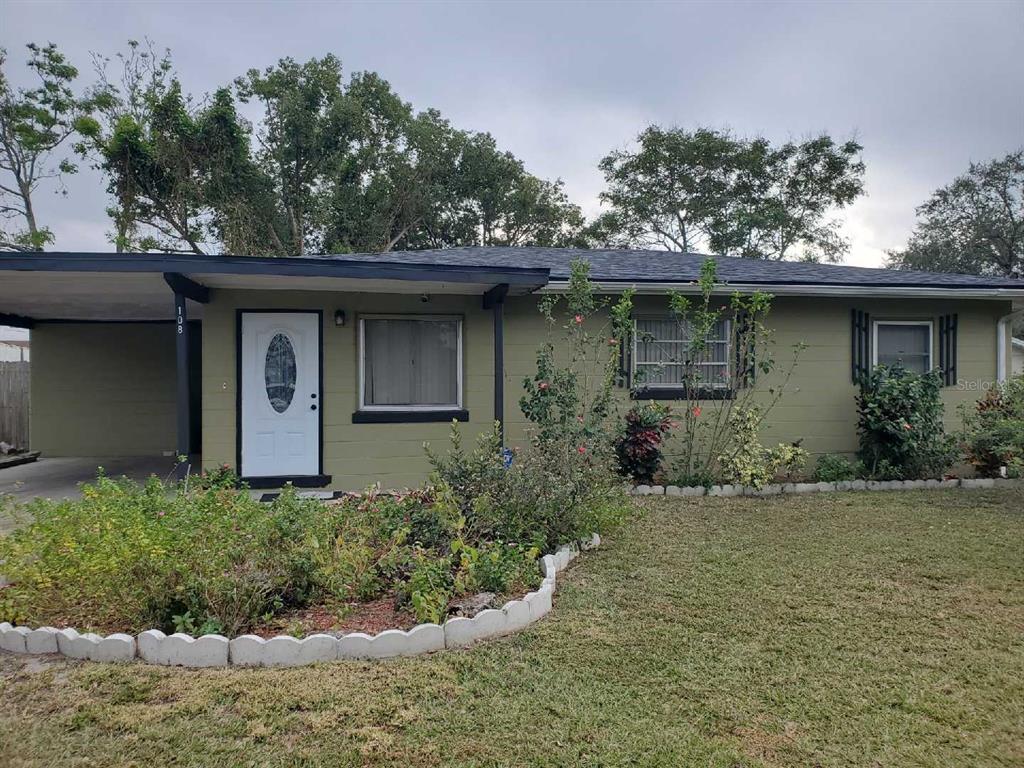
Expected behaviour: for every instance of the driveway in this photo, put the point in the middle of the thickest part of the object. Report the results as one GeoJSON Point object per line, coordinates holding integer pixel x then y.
{"type": "Point", "coordinates": [58, 478]}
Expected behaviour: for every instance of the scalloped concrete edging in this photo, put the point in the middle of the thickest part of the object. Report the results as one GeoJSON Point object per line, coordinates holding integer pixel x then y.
{"type": "Point", "coordinates": [776, 489]}
{"type": "Point", "coordinates": [181, 650]}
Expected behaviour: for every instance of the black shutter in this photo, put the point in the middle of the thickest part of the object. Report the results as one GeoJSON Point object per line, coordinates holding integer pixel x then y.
{"type": "Point", "coordinates": [947, 349]}
{"type": "Point", "coordinates": [625, 377]}
{"type": "Point", "coordinates": [746, 369]}
{"type": "Point", "coordinates": [860, 345]}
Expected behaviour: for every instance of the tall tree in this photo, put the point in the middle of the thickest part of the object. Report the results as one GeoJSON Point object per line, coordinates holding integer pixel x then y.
{"type": "Point", "coordinates": [710, 190]}
{"type": "Point", "coordinates": [305, 117]}
{"type": "Point", "coordinates": [974, 225]}
{"type": "Point", "coordinates": [126, 103]}
{"type": "Point", "coordinates": [34, 123]}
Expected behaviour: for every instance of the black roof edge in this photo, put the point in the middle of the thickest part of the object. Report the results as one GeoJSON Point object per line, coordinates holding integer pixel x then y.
{"type": "Point", "coordinates": [53, 261]}
{"type": "Point", "coordinates": [805, 283]}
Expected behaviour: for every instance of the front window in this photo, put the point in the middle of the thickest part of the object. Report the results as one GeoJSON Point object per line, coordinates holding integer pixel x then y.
{"type": "Point", "coordinates": [410, 362]}
{"type": "Point", "coordinates": [663, 355]}
{"type": "Point", "coordinates": [907, 343]}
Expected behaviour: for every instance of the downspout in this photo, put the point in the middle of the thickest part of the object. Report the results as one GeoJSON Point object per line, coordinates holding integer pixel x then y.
{"type": "Point", "coordinates": [1002, 342]}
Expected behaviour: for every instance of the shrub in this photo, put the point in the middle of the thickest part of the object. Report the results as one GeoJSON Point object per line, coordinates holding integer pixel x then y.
{"type": "Point", "coordinates": [552, 493]}
{"type": "Point", "coordinates": [900, 425]}
{"type": "Point", "coordinates": [704, 432]}
{"type": "Point", "coordinates": [749, 462]}
{"type": "Point", "coordinates": [131, 557]}
{"type": "Point", "coordinates": [833, 468]}
{"type": "Point", "coordinates": [993, 432]}
{"type": "Point", "coordinates": [429, 588]}
{"type": "Point", "coordinates": [496, 567]}
{"type": "Point", "coordinates": [638, 447]}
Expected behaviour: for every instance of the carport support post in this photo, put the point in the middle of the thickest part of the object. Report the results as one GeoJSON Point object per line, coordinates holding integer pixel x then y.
{"type": "Point", "coordinates": [184, 402]}
{"type": "Point", "coordinates": [494, 300]}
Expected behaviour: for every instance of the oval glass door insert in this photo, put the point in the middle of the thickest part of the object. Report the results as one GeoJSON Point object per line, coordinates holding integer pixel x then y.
{"type": "Point", "coordinates": [279, 372]}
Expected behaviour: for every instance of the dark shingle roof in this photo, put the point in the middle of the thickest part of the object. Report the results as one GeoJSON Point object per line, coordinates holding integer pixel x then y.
{"type": "Point", "coordinates": [635, 266]}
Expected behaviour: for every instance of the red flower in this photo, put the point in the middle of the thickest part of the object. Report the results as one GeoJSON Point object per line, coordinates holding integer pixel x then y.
{"type": "Point", "coordinates": [696, 412]}
{"type": "Point", "coordinates": [578, 319]}
{"type": "Point", "coordinates": [582, 449]}
{"type": "Point", "coordinates": [542, 385]}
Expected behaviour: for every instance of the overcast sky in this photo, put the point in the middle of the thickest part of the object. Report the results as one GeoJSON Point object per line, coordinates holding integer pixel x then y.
{"type": "Point", "coordinates": [925, 87]}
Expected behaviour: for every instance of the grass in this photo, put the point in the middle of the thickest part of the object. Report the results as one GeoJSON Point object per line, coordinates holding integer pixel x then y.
{"type": "Point", "coordinates": [875, 629]}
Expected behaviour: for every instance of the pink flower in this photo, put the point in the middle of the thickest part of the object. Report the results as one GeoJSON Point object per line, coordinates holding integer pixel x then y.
{"type": "Point", "coordinates": [582, 449]}
{"type": "Point", "coordinates": [612, 341]}
{"type": "Point", "coordinates": [578, 319]}
{"type": "Point", "coordinates": [696, 412]}
{"type": "Point", "coordinates": [906, 426]}
{"type": "Point", "coordinates": [542, 385]}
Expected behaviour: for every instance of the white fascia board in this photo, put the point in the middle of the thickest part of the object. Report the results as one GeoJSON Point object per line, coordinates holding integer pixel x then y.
{"type": "Point", "coordinates": [560, 286]}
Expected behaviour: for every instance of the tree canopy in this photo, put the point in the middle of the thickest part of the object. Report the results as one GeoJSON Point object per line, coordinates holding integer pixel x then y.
{"type": "Point", "coordinates": [974, 225]}
{"type": "Point", "coordinates": [34, 123]}
{"type": "Point", "coordinates": [708, 190]}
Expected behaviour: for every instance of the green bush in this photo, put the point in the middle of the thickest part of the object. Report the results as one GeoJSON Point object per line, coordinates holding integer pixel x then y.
{"type": "Point", "coordinates": [552, 493]}
{"type": "Point", "coordinates": [993, 431]}
{"type": "Point", "coordinates": [900, 425]}
{"type": "Point", "coordinates": [833, 468]}
{"type": "Point", "coordinates": [749, 462]}
{"type": "Point", "coordinates": [496, 567]}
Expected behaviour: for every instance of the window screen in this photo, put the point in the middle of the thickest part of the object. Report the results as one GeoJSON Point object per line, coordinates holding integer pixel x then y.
{"type": "Point", "coordinates": [411, 362]}
{"type": "Point", "coordinates": [663, 355]}
{"type": "Point", "coordinates": [905, 344]}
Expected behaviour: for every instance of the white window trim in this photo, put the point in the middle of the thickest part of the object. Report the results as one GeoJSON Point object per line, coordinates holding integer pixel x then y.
{"type": "Point", "coordinates": [874, 338]}
{"type": "Point", "coordinates": [363, 406]}
{"type": "Point", "coordinates": [727, 341]}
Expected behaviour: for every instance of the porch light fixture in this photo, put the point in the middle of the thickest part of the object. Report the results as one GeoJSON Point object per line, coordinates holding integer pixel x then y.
{"type": "Point", "coordinates": [339, 318]}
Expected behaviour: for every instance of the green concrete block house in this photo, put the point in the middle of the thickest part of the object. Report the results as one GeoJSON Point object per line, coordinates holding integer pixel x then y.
{"type": "Point", "coordinates": [332, 371]}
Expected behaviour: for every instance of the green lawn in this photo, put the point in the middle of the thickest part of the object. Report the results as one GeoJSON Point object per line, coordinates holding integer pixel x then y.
{"type": "Point", "coordinates": [874, 629]}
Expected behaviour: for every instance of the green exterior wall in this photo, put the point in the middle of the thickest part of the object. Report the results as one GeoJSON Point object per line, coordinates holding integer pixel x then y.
{"type": "Point", "coordinates": [103, 389]}
{"type": "Point", "coordinates": [355, 455]}
{"type": "Point", "coordinates": [818, 409]}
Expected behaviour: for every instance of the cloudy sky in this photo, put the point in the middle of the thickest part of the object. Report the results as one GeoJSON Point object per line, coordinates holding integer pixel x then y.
{"type": "Point", "coordinates": [925, 87]}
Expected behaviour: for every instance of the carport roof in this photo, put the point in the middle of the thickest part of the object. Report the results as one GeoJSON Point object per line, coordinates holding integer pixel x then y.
{"type": "Point", "coordinates": [133, 286]}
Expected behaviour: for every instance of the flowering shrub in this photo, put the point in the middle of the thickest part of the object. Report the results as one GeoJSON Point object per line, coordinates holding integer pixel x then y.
{"type": "Point", "coordinates": [993, 431]}
{"type": "Point", "coordinates": [570, 395]}
{"type": "Point", "coordinates": [706, 408]}
{"type": "Point", "coordinates": [638, 447]}
{"type": "Point", "coordinates": [900, 425]}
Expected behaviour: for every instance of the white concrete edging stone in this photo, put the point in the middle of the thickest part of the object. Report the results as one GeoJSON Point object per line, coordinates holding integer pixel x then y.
{"type": "Point", "coordinates": [844, 485]}
{"type": "Point", "coordinates": [155, 647]}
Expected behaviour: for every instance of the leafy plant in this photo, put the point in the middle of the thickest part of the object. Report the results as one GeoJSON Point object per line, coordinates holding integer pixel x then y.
{"type": "Point", "coordinates": [495, 567]}
{"type": "Point", "coordinates": [570, 395]}
{"type": "Point", "coordinates": [706, 432]}
{"type": "Point", "coordinates": [638, 447]}
{"type": "Point", "coordinates": [833, 468]}
{"type": "Point", "coordinates": [993, 431]}
{"type": "Point", "coordinates": [430, 586]}
{"type": "Point", "coordinates": [750, 463]}
{"type": "Point", "coordinates": [900, 425]}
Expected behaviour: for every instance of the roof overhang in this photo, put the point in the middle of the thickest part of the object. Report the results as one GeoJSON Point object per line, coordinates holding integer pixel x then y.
{"type": "Point", "coordinates": [803, 289]}
{"type": "Point", "coordinates": [131, 286]}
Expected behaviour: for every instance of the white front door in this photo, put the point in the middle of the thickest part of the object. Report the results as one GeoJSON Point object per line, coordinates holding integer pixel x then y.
{"type": "Point", "coordinates": [280, 381]}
